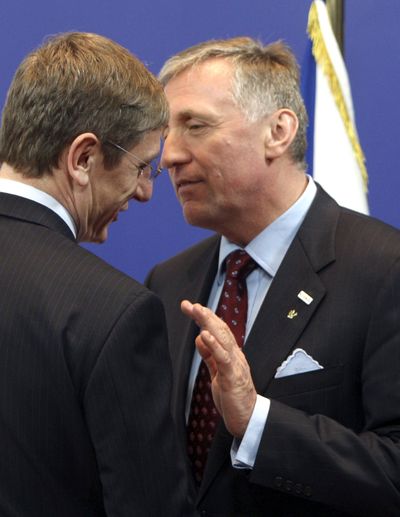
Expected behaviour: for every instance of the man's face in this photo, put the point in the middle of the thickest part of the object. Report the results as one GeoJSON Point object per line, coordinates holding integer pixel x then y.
{"type": "Point", "coordinates": [215, 157]}
{"type": "Point", "coordinates": [112, 189]}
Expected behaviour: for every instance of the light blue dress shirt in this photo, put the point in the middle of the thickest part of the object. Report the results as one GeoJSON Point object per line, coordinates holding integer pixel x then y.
{"type": "Point", "coordinates": [268, 250]}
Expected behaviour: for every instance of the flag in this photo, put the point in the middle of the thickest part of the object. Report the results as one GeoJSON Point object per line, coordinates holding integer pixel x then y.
{"type": "Point", "coordinates": [335, 157]}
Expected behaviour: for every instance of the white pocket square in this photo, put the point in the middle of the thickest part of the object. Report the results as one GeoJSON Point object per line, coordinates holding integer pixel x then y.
{"type": "Point", "coordinates": [297, 362]}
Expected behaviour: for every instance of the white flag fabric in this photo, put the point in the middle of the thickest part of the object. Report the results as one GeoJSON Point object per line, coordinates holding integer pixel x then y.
{"type": "Point", "coordinates": [338, 162]}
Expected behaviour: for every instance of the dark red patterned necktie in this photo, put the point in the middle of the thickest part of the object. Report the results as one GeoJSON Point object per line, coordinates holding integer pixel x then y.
{"type": "Point", "coordinates": [232, 308]}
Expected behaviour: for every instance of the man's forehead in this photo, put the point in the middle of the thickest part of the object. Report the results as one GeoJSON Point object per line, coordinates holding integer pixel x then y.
{"type": "Point", "coordinates": [206, 109]}
{"type": "Point", "coordinates": [195, 90]}
{"type": "Point", "coordinates": [212, 68]}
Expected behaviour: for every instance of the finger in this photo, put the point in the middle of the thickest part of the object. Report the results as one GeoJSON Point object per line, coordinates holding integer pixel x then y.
{"type": "Point", "coordinates": [221, 356]}
{"type": "Point", "coordinates": [196, 311]}
{"type": "Point", "coordinates": [207, 320]}
{"type": "Point", "coordinates": [202, 348]}
{"type": "Point", "coordinates": [203, 316]}
{"type": "Point", "coordinates": [187, 309]}
{"type": "Point", "coordinates": [207, 356]}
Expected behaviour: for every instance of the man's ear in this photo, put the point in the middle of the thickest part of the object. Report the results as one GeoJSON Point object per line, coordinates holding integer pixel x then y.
{"type": "Point", "coordinates": [282, 127]}
{"type": "Point", "coordinates": [81, 156]}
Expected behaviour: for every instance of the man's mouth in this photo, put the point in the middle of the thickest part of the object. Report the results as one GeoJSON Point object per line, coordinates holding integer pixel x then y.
{"type": "Point", "coordinates": [186, 185]}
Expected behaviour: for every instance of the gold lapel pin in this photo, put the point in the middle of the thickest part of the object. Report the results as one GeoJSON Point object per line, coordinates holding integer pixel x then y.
{"type": "Point", "coordinates": [291, 314]}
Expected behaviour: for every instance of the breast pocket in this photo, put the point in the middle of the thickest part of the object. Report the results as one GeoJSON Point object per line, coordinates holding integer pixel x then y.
{"type": "Point", "coordinates": [319, 391]}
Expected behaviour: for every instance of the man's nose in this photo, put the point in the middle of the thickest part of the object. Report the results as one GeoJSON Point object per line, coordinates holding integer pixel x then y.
{"type": "Point", "coordinates": [175, 151]}
{"type": "Point", "coordinates": [144, 190]}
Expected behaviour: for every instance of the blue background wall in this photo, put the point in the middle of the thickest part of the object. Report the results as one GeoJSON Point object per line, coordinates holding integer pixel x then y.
{"type": "Point", "coordinates": [155, 29]}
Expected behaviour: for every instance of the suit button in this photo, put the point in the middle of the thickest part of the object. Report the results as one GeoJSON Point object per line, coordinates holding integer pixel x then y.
{"type": "Point", "coordinates": [307, 491]}
{"type": "Point", "coordinates": [298, 488]}
{"type": "Point", "coordinates": [288, 485]}
{"type": "Point", "coordinates": [278, 481]}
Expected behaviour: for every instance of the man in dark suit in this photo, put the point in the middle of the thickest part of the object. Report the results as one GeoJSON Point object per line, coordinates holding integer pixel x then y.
{"type": "Point", "coordinates": [311, 410]}
{"type": "Point", "coordinates": [85, 425]}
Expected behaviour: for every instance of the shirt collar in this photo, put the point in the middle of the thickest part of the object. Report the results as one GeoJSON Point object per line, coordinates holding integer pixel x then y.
{"type": "Point", "coordinates": [269, 247]}
{"type": "Point", "coordinates": [18, 188]}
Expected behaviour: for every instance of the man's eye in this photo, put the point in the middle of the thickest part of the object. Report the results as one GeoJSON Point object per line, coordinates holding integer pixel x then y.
{"type": "Point", "coordinates": [141, 169]}
{"type": "Point", "coordinates": [194, 127]}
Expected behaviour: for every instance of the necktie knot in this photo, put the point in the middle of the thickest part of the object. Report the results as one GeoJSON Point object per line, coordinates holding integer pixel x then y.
{"type": "Point", "coordinates": [232, 307]}
{"type": "Point", "coordinates": [239, 265]}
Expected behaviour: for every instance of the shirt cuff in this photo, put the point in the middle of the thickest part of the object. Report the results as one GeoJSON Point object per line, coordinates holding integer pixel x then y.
{"type": "Point", "coordinates": [244, 452]}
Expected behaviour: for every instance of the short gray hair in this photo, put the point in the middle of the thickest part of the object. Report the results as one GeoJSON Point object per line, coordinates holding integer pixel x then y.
{"type": "Point", "coordinates": [266, 78]}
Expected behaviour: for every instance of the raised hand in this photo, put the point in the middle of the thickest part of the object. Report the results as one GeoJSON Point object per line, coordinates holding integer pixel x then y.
{"type": "Point", "coordinates": [232, 386]}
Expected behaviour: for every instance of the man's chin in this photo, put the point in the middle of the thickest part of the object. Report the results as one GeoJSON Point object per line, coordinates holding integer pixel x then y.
{"type": "Point", "coordinates": [197, 217]}
{"type": "Point", "coordinates": [95, 237]}
{"type": "Point", "coordinates": [102, 236]}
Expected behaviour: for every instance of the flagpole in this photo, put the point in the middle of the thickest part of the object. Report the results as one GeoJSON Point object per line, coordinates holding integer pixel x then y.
{"type": "Point", "coordinates": [335, 10]}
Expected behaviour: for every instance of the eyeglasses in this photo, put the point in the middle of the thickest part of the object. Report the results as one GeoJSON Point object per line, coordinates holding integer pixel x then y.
{"type": "Point", "coordinates": [149, 171]}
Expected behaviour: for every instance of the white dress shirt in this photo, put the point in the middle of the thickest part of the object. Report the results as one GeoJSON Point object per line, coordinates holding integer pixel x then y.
{"type": "Point", "coordinates": [20, 189]}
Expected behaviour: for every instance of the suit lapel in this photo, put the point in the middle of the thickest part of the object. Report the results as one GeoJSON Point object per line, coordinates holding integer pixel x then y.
{"type": "Point", "coordinates": [282, 316]}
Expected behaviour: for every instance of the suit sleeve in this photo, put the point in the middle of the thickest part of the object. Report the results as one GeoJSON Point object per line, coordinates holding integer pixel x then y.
{"type": "Point", "coordinates": [127, 410]}
{"type": "Point", "coordinates": [317, 458]}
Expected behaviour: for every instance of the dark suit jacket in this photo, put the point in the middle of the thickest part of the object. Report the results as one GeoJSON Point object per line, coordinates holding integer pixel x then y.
{"type": "Point", "coordinates": [331, 442]}
{"type": "Point", "coordinates": [85, 428]}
